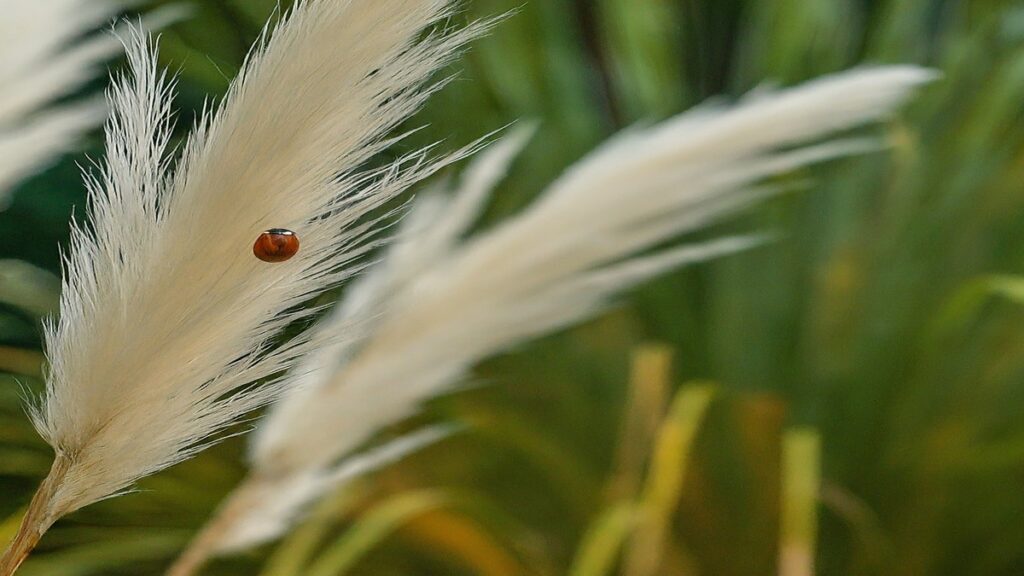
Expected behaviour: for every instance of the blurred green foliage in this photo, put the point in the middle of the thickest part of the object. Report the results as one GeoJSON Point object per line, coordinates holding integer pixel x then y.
{"type": "Point", "coordinates": [887, 318]}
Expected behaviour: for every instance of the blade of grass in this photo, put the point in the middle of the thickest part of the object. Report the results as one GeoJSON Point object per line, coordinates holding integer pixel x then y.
{"type": "Point", "coordinates": [801, 481]}
{"type": "Point", "coordinates": [601, 544]}
{"type": "Point", "coordinates": [28, 287]}
{"type": "Point", "coordinates": [645, 50]}
{"type": "Point", "coordinates": [104, 557]}
{"type": "Point", "coordinates": [374, 528]}
{"type": "Point", "coordinates": [456, 537]}
{"type": "Point", "coordinates": [965, 303]}
{"type": "Point", "coordinates": [660, 500]}
{"type": "Point", "coordinates": [651, 371]}
{"type": "Point", "coordinates": [21, 361]}
{"type": "Point", "coordinates": [295, 552]}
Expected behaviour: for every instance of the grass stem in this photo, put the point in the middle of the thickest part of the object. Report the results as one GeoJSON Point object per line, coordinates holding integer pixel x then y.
{"type": "Point", "coordinates": [37, 520]}
{"type": "Point", "coordinates": [801, 481]}
{"type": "Point", "coordinates": [205, 544]}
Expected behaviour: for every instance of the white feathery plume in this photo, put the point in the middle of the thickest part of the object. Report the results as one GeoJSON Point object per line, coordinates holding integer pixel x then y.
{"type": "Point", "coordinates": [273, 512]}
{"type": "Point", "coordinates": [46, 53]}
{"type": "Point", "coordinates": [438, 302]}
{"type": "Point", "coordinates": [167, 318]}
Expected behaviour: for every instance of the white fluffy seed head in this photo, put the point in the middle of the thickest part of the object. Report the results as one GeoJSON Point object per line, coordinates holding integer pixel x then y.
{"type": "Point", "coordinates": [438, 302]}
{"type": "Point", "coordinates": [47, 52]}
{"type": "Point", "coordinates": [268, 508]}
{"type": "Point", "coordinates": [167, 318]}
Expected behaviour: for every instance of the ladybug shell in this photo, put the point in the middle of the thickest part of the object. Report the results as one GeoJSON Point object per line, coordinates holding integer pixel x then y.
{"type": "Point", "coordinates": [276, 245]}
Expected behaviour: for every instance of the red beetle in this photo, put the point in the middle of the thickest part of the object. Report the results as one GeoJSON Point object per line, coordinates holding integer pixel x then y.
{"type": "Point", "coordinates": [276, 245]}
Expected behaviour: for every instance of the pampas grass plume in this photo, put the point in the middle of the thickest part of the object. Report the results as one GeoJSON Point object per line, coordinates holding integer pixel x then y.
{"type": "Point", "coordinates": [439, 302]}
{"type": "Point", "coordinates": [166, 317]}
{"type": "Point", "coordinates": [42, 58]}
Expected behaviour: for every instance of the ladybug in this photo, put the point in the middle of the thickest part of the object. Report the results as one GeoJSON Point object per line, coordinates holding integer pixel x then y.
{"type": "Point", "coordinates": [276, 245]}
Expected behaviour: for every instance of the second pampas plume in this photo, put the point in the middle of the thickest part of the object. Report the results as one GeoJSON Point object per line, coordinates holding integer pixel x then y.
{"type": "Point", "coordinates": [438, 302]}
{"type": "Point", "coordinates": [47, 52]}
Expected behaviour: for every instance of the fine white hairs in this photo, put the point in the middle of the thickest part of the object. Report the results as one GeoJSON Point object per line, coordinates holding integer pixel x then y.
{"type": "Point", "coordinates": [439, 301]}
{"type": "Point", "coordinates": [43, 58]}
{"type": "Point", "coordinates": [166, 318]}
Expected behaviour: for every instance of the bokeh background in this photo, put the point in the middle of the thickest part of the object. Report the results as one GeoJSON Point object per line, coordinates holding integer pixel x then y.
{"type": "Point", "coordinates": [854, 389]}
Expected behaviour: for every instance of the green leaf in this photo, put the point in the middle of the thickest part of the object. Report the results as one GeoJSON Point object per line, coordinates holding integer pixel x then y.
{"type": "Point", "coordinates": [373, 528]}
{"type": "Point", "coordinates": [604, 539]}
